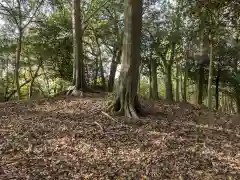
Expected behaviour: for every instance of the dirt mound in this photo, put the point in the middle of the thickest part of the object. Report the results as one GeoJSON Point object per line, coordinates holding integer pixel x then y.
{"type": "Point", "coordinates": [70, 138]}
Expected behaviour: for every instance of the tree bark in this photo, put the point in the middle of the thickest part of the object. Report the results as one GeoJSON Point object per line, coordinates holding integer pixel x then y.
{"type": "Point", "coordinates": [17, 63]}
{"type": "Point", "coordinates": [185, 82]}
{"type": "Point", "coordinates": [116, 59]}
{"type": "Point", "coordinates": [210, 75]}
{"type": "Point", "coordinates": [168, 82]}
{"type": "Point", "coordinates": [113, 70]}
{"type": "Point", "coordinates": [103, 80]}
{"type": "Point", "coordinates": [238, 103]}
{"type": "Point", "coordinates": [126, 100]}
{"type": "Point", "coordinates": [96, 73]}
{"type": "Point", "coordinates": [200, 85]}
{"type": "Point", "coordinates": [74, 50]}
{"type": "Point", "coordinates": [153, 84]}
{"type": "Point", "coordinates": [217, 89]}
{"type": "Point", "coordinates": [177, 83]}
{"type": "Point", "coordinates": [80, 83]}
{"type": "Point", "coordinates": [7, 81]}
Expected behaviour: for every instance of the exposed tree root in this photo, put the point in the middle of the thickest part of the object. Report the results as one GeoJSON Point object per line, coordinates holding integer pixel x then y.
{"type": "Point", "coordinates": [126, 107]}
{"type": "Point", "coordinates": [71, 91]}
{"type": "Point", "coordinates": [74, 92]}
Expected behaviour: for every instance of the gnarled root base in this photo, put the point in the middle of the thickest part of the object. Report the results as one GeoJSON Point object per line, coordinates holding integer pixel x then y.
{"type": "Point", "coordinates": [126, 108]}
{"type": "Point", "coordinates": [74, 92]}
{"type": "Point", "coordinates": [71, 91]}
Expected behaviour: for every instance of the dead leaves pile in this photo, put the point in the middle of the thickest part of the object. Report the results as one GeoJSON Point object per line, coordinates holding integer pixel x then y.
{"type": "Point", "coordinates": [72, 138]}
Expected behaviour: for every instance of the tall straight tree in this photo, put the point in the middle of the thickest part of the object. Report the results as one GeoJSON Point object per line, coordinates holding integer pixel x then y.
{"type": "Point", "coordinates": [210, 77]}
{"type": "Point", "coordinates": [80, 83]}
{"type": "Point", "coordinates": [126, 100]}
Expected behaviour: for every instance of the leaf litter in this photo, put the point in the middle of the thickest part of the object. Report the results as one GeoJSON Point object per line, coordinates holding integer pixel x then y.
{"type": "Point", "coordinates": [74, 138]}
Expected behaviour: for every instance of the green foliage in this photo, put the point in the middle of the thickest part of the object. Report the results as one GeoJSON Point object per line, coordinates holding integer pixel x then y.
{"type": "Point", "coordinates": [144, 88]}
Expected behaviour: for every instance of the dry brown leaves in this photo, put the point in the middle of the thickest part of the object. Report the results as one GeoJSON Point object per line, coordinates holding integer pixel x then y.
{"type": "Point", "coordinates": [71, 138]}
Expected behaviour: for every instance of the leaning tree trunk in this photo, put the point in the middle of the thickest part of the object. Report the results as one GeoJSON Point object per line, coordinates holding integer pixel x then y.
{"type": "Point", "coordinates": [80, 83]}
{"type": "Point", "coordinates": [126, 100]}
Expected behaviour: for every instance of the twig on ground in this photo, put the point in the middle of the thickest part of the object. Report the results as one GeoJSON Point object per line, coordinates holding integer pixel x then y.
{"type": "Point", "coordinates": [6, 130]}
{"type": "Point", "coordinates": [107, 115]}
{"type": "Point", "coordinates": [101, 128]}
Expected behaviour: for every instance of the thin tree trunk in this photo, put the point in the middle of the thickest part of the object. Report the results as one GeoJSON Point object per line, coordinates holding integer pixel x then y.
{"type": "Point", "coordinates": [153, 82]}
{"type": "Point", "coordinates": [200, 85]}
{"type": "Point", "coordinates": [96, 73]}
{"type": "Point", "coordinates": [117, 53]}
{"type": "Point", "coordinates": [7, 81]}
{"type": "Point", "coordinates": [210, 76]}
{"type": "Point", "coordinates": [177, 83]}
{"type": "Point", "coordinates": [103, 80]}
{"type": "Point", "coordinates": [238, 104]}
{"type": "Point", "coordinates": [126, 101]}
{"type": "Point", "coordinates": [168, 82]}
{"type": "Point", "coordinates": [74, 48]}
{"type": "Point", "coordinates": [17, 64]}
{"type": "Point", "coordinates": [217, 89]}
{"type": "Point", "coordinates": [185, 83]}
{"type": "Point", "coordinates": [113, 70]}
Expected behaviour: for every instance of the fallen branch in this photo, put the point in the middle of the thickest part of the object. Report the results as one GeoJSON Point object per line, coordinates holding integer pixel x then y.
{"type": "Point", "coordinates": [107, 115]}
{"type": "Point", "coordinates": [101, 128]}
{"type": "Point", "coordinates": [6, 130]}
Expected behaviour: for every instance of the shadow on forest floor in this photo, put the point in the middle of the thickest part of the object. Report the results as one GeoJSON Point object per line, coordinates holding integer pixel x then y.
{"type": "Point", "coordinates": [71, 138]}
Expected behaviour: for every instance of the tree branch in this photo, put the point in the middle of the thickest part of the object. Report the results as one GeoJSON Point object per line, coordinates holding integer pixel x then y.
{"type": "Point", "coordinates": [34, 13]}
{"type": "Point", "coordinates": [85, 23]}
{"type": "Point", "coordinates": [10, 13]}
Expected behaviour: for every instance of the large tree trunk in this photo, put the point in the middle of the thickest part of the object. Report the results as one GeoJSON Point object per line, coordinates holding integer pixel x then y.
{"type": "Point", "coordinates": [17, 63]}
{"type": "Point", "coordinates": [168, 83]}
{"type": "Point", "coordinates": [210, 76]}
{"type": "Point", "coordinates": [153, 79]}
{"type": "Point", "coordinates": [126, 100]}
{"type": "Point", "coordinates": [80, 83]}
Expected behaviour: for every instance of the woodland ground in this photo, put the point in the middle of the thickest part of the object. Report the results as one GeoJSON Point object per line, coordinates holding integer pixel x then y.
{"type": "Point", "coordinates": [70, 138]}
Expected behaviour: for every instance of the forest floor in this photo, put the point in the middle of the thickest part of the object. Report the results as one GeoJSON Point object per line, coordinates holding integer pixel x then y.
{"type": "Point", "coordinates": [72, 138]}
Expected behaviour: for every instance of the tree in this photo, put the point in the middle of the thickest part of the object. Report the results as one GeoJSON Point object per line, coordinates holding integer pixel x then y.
{"type": "Point", "coordinates": [80, 83]}
{"type": "Point", "coordinates": [126, 100]}
{"type": "Point", "coordinates": [21, 14]}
